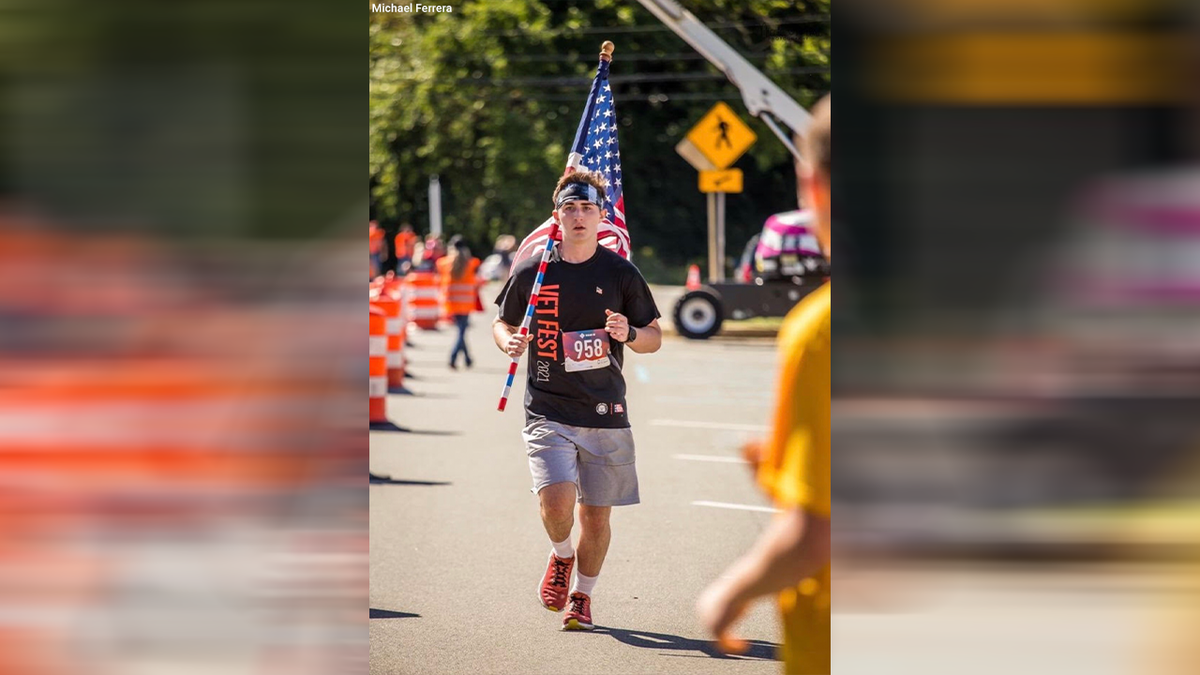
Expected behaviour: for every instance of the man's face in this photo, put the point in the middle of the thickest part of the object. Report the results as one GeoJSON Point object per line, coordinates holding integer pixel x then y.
{"type": "Point", "coordinates": [579, 220]}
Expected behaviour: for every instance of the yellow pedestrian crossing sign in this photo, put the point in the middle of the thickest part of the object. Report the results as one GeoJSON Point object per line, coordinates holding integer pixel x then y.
{"type": "Point", "coordinates": [721, 136]}
{"type": "Point", "coordinates": [725, 180]}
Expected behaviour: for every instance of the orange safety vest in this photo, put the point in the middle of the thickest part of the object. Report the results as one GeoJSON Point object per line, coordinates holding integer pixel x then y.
{"type": "Point", "coordinates": [458, 295]}
{"type": "Point", "coordinates": [376, 235]}
{"type": "Point", "coordinates": [405, 243]}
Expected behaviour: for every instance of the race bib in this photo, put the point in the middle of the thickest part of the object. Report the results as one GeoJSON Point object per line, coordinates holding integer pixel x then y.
{"type": "Point", "coordinates": [585, 350]}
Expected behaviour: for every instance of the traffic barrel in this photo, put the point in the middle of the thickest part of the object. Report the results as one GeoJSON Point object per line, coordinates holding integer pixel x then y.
{"type": "Point", "coordinates": [396, 289]}
{"type": "Point", "coordinates": [423, 292]}
{"type": "Point", "coordinates": [395, 342]}
{"type": "Point", "coordinates": [378, 378]}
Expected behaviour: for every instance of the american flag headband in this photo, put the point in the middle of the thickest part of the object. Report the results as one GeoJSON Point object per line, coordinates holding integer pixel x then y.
{"type": "Point", "coordinates": [578, 191]}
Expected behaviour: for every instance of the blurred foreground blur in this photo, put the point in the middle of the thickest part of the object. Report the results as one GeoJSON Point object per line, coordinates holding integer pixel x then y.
{"type": "Point", "coordinates": [1017, 379]}
{"type": "Point", "coordinates": [180, 340]}
{"type": "Point", "coordinates": [182, 477]}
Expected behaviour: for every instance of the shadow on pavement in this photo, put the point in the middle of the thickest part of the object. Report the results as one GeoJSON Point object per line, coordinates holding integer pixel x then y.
{"type": "Point", "coordinates": [407, 430]}
{"type": "Point", "coordinates": [758, 649]}
{"type": "Point", "coordinates": [376, 479]}
{"type": "Point", "coordinates": [389, 614]}
{"type": "Point", "coordinates": [483, 370]}
{"type": "Point", "coordinates": [427, 395]}
{"type": "Point", "coordinates": [388, 426]}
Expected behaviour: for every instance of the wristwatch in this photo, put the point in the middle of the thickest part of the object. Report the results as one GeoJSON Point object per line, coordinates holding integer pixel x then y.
{"type": "Point", "coordinates": [632, 335]}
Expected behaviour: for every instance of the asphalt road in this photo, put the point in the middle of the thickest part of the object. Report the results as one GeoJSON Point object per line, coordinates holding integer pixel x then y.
{"type": "Point", "coordinates": [457, 548]}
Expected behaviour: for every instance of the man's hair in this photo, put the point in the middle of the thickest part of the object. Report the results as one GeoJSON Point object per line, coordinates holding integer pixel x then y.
{"type": "Point", "coordinates": [816, 149]}
{"type": "Point", "coordinates": [588, 177]}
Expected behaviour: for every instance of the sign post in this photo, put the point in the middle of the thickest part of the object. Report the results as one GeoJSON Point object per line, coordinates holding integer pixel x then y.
{"type": "Point", "coordinates": [719, 138]}
{"type": "Point", "coordinates": [435, 205]}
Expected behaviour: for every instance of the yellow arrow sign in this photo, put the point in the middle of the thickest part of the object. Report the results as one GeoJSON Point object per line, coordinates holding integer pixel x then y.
{"type": "Point", "coordinates": [725, 180]}
{"type": "Point", "coordinates": [721, 136]}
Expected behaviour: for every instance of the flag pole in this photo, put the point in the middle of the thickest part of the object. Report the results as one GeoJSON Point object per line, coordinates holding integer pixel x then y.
{"type": "Point", "coordinates": [606, 51]}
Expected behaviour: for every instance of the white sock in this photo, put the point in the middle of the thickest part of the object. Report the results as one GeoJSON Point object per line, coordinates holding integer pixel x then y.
{"type": "Point", "coordinates": [584, 584]}
{"type": "Point", "coordinates": [564, 549]}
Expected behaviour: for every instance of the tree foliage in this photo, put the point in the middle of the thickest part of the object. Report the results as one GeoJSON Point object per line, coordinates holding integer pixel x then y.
{"type": "Point", "coordinates": [189, 118]}
{"type": "Point", "coordinates": [488, 98]}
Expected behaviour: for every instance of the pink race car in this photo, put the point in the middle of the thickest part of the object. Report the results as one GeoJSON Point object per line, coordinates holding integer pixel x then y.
{"type": "Point", "coordinates": [778, 268]}
{"type": "Point", "coordinates": [788, 248]}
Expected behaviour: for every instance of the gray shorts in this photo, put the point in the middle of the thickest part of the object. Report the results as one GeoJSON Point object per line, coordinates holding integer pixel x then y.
{"type": "Point", "coordinates": [598, 461]}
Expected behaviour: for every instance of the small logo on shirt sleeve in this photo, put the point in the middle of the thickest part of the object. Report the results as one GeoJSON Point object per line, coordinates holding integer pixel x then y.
{"type": "Point", "coordinates": [618, 409]}
{"type": "Point", "coordinates": [599, 291]}
{"type": "Point", "coordinates": [601, 408]}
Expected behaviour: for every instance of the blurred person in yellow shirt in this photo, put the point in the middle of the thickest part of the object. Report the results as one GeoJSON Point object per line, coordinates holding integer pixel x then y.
{"type": "Point", "coordinates": [792, 557]}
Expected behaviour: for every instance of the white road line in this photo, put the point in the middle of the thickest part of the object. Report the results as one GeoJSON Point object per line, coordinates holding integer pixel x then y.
{"type": "Point", "coordinates": [726, 426]}
{"type": "Point", "coordinates": [711, 458]}
{"type": "Point", "coordinates": [740, 507]}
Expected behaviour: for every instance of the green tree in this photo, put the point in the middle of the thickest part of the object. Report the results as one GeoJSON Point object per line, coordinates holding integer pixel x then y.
{"type": "Point", "coordinates": [488, 97]}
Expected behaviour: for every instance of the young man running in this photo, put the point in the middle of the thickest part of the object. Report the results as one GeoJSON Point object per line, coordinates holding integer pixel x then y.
{"type": "Point", "coordinates": [592, 305]}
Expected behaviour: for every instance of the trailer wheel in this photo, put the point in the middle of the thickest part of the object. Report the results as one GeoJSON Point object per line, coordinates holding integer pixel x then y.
{"type": "Point", "coordinates": [698, 315]}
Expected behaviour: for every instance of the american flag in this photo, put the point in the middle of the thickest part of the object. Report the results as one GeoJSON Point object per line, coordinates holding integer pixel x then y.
{"type": "Point", "coordinates": [595, 149]}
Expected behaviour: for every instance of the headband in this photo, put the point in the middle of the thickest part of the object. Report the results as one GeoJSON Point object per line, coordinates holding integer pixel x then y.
{"type": "Point", "coordinates": [578, 192]}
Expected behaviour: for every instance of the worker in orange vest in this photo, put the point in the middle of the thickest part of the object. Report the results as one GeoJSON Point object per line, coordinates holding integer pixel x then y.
{"type": "Point", "coordinates": [376, 237]}
{"type": "Point", "coordinates": [460, 293]}
{"type": "Point", "coordinates": [406, 242]}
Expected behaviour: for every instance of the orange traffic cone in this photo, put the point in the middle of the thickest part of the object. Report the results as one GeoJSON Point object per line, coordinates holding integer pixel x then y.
{"type": "Point", "coordinates": [693, 278]}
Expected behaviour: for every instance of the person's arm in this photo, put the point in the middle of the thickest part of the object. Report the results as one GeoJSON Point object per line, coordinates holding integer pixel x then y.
{"type": "Point", "coordinates": [507, 338]}
{"type": "Point", "coordinates": [796, 544]}
{"type": "Point", "coordinates": [794, 547]}
{"type": "Point", "coordinates": [647, 339]}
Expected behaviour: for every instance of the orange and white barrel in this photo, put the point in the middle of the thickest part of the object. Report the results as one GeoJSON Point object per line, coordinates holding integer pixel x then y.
{"type": "Point", "coordinates": [395, 342]}
{"type": "Point", "coordinates": [396, 289]}
{"type": "Point", "coordinates": [377, 408]}
{"type": "Point", "coordinates": [423, 290]}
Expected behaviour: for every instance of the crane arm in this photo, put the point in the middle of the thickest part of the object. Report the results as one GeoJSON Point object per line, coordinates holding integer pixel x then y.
{"type": "Point", "coordinates": [762, 97]}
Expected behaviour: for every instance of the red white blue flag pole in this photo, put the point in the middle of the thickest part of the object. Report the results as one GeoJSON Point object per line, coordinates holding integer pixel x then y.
{"type": "Point", "coordinates": [595, 149]}
{"type": "Point", "coordinates": [533, 296]}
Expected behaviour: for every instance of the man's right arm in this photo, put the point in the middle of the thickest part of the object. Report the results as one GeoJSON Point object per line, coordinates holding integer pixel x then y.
{"type": "Point", "coordinates": [507, 339]}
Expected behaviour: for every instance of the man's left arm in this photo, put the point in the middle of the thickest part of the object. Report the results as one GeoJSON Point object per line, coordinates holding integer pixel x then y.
{"type": "Point", "coordinates": [645, 340]}
{"type": "Point", "coordinates": [637, 324]}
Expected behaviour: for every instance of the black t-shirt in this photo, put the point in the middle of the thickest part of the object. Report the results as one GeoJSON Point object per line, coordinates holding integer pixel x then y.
{"type": "Point", "coordinates": [567, 382]}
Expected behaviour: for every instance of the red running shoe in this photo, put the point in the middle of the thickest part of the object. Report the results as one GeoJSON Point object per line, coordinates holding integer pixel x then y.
{"type": "Point", "coordinates": [580, 616]}
{"type": "Point", "coordinates": [556, 583]}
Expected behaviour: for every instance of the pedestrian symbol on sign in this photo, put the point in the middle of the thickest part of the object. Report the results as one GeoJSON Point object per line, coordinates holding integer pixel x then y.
{"type": "Point", "coordinates": [723, 127]}
{"type": "Point", "coordinates": [720, 136]}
